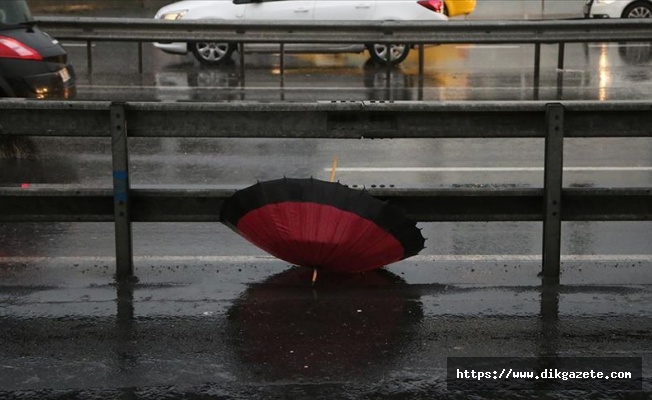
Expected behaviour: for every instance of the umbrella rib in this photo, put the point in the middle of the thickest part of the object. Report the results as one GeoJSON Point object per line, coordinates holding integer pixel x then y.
{"type": "Point", "coordinates": [319, 244]}
{"type": "Point", "coordinates": [293, 215]}
{"type": "Point", "coordinates": [344, 232]}
{"type": "Point", "coordinates": [334, 253]}
{"type": "Point", "coordinates": [363, 234]}
{"type": "Point", "coordinates": [271, 216]}
{"type": "Point", "coordinates": [375, 245]}
{"type": "Point", "coordinates": [302, 225]}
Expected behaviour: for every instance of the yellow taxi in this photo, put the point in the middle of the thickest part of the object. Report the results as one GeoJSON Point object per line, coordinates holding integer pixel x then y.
{"type": "Point", "coordinates": [454, 8]}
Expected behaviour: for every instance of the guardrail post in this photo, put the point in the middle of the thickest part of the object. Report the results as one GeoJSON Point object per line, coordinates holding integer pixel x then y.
{"type": "Point", "coordinates": [282, 63]}
{"type": "Point", "coordinates": [282, 68]}
{"type": "Point", "coordinates": [388, 72]}
{"type": "Point", "coordinates": [537, 69]}
{"type": "Point", "coordinates": [140, 58]}
{"type": "Point", "coordinates": [89, 57]}
{"type": "Point", "coordinates": [120, 155]}
{"type": "Point", "coordinates": [560, 71]}
{"type": "Point", "coordinates": [241, 50]}
{"type": "Point", "coordinates": [553, 174]}
{"type": "Point", "coordinates": [421, 71]}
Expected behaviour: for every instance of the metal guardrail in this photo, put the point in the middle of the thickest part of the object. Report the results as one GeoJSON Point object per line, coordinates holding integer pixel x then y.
{"type": "Point", "coordinates": [415, 32]}
{"type": "Point", "coordinates": [419, 33]}
{"type": "Point", "coordinates": [124, 204]}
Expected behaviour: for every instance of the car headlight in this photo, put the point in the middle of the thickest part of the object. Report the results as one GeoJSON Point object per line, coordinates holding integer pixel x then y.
{"type": "Point", "coordinates": [173, 15]}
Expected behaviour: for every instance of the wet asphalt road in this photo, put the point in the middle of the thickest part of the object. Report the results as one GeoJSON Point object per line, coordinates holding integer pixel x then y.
{"type": "Point", "coordinates": [188, 330]}
{"type": "Point", "coordinates": [596, 71]}
{"type": "Point", "coordinates": [212, 317]}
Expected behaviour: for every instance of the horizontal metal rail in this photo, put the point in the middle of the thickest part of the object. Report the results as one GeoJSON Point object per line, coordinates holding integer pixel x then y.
{"type": "Point", "coordinates": [345, 120]}
{"type": "Point", "coordinates": [69, 204]}
{"type": "Point", "coordinates": [124, 204]}
{"type": "Point", "coordinates": [416, 32]}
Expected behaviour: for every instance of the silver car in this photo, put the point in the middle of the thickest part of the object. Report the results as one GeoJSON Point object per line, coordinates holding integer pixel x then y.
{"type": "Point", "coordinates": [618, 9]}
{"type": "Point", "coordinates": [217, 52]}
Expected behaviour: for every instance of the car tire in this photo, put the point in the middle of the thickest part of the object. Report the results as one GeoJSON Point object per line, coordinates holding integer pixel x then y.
{"type": "Point", "coordinates": [212, 53]}
{"type": "Point", "coordinates": [398, 52]}
{"type": "Point", "coordinates": [638, 10]}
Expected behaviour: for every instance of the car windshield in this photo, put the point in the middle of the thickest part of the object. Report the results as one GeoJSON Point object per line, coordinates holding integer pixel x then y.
{"type": "Point", "coordinates": [13, 12]}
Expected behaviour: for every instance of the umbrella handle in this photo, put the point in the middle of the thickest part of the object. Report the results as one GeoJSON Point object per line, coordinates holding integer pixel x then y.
{"type": "Point", "coordinates": [333, 168]}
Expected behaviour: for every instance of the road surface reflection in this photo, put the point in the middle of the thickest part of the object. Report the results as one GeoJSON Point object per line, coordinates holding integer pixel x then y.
{"type": "Point", "coordinates": [347, 326]}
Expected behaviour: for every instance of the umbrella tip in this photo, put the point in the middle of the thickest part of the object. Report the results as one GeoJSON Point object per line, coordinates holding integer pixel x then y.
{"type": "Point", "coordinates": [314, 277]}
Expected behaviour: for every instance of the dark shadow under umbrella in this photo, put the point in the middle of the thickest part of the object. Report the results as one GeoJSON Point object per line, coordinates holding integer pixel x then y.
{"type": "Point", "coordinates": [322, 225]}
{"type": "Point", "coordinates": [352, 325]}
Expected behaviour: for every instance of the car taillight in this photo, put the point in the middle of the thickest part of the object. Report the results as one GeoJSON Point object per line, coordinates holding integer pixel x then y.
{"type": "Point", "coordinates": [434, 5]}
{"type": "Point", "coordinates": [12, 48]}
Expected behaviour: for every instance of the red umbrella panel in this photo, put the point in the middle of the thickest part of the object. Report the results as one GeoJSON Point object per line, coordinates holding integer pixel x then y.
{"type": "Point", "coordinates": [318, 224]}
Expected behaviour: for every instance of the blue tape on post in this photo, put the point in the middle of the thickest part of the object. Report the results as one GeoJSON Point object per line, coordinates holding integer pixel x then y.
{"type": "Point", "coordinates": [120, 175]}
{"type": "Point", "coordinates": [120, 187]}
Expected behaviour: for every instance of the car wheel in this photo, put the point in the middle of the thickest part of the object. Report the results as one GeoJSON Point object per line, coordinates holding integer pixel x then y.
{"type": "Point", "coordinates": [212, 53]}
{"type": "Point", "coordinates": [638, 10]}
{"type": "Point", "coordinates": [397, 52]}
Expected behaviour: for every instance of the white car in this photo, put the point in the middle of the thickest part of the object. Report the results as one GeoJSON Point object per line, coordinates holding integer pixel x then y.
{"type": "Point", "coordinates": [215, 53]}
{"type": "Point", "coordinates": [618, 9]}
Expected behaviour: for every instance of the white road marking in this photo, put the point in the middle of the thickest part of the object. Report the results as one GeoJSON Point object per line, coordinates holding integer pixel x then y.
{"type": "Point", "coordinates": [488, 169]}
{"type": "Point", "coordinates": [620, 45]}
{"type": "Point", "coordinates": [266, 259]}
{"type": "Point", "coordinates": [76, 44]}
{"type": "Point", "coordinates": [575, 71]}
{"type": "Point", "coordinates": [164, 88]}
{"type": "Point", "coordinates": [516, 46]}
{"type": "Point", "coordinates": [488, 46]}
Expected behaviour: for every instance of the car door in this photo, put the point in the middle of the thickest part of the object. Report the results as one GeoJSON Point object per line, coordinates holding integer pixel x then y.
{"type": "Point", "coordinates": [531, 9]}
{"type": "Point", "coordinates": [560, 9]}
{"type": "Point", "coordinates": [508, 9]}
{"type": "Point", "coordinates": [342, 10]}
{"type": "Point", "coordinates": [280, 10]}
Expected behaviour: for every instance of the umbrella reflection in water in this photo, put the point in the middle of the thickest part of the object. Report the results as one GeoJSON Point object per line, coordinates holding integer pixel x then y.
{"type": "Point", "coordinates": [350, 325]}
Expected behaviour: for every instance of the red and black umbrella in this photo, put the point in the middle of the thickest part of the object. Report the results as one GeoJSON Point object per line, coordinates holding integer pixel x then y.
{"type": "Point", "coordinates": [318, 224]}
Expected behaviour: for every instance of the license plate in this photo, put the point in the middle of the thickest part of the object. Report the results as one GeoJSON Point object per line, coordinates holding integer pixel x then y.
{"type": "Point", "coordinates": [65, 75]}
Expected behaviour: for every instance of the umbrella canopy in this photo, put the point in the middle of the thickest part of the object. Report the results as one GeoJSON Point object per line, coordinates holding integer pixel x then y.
{"type": "Point", "coordinates": [318, 224]}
